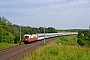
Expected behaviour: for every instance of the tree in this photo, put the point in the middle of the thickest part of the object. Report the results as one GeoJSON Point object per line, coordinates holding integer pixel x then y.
{"type": "Point", "coordinates": [0, 32]}
{"type": "Point", "coordinates": [41, 29]}
{"type": "Point", "coordinates": [83, 37]}
{"type": "Point", "coordinates": [10, 32]}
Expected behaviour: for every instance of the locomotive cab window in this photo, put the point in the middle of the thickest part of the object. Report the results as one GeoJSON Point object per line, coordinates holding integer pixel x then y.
{"type": "Point", "coordinates": [26, 36]}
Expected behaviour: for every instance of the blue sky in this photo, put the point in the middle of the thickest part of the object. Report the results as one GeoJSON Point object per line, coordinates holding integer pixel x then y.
{"type": "Point", "coordinates": [60, 14]}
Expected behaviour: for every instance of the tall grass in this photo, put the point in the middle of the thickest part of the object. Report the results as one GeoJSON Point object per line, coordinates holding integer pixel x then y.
{"type": "Point", "coordinates": [67, 50]}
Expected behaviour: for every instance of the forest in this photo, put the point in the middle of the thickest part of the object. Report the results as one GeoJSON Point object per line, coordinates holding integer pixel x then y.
{"type": "Point", "coordinates": [10, 33]}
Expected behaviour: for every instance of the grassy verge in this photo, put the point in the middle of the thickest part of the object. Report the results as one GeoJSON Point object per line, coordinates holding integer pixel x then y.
{"type": "Point", "coordinates": [65, 48]}
{"type": "Point", "coordinates": [6, 45]}
{"type": "Point", "coordinates": [67, 40]}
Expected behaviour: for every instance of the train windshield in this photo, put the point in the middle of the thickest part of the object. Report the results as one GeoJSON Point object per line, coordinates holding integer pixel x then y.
{"type": "Point", "coordinates": [26, 36]}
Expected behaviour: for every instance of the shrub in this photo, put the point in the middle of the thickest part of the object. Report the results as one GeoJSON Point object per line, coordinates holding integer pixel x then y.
{"type": "Point", "coordinates": [83, 38]}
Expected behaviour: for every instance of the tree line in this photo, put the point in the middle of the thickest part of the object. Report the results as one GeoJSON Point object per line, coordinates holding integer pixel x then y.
{"type": "Point", "coordinates": [10, 33]}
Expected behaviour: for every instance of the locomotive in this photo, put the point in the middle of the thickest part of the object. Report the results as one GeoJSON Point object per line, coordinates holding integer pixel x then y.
{"type": "Point", "coordinates": [29, 38]}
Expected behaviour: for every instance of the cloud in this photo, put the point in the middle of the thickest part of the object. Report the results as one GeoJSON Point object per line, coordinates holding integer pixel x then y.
{"type": "Point", "coordinates": [61, 12]}
{"type": "Point", "coordinates": [42, 2]}
{"type": "Point", "coordinates": [14, 2]}
{"type": "Point", "coordinates": [33, 6]}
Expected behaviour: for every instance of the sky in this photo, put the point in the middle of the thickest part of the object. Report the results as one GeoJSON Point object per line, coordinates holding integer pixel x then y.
{"type": "Point", "coordinates": [60, 14]}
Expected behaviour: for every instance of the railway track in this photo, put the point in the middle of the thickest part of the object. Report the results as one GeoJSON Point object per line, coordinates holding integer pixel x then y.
{"type": "Point", "coordinates": [16, 52]}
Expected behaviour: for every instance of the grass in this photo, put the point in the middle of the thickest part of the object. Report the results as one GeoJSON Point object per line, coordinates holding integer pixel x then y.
{"type": "Point", "coordinates": [67, 50]}
{"type": "Point", "coordinates": [68, 40]}
{"type": "Point", "coordinates": [6, 45]}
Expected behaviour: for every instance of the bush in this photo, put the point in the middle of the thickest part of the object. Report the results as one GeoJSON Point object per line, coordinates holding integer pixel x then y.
{"type": "Point", "coordinates": [6, 37]}
{"type": "Point", "coordinates": [84, 38]}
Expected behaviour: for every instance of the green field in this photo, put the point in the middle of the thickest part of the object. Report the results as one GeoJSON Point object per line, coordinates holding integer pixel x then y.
{"type": "Point", "coordinates": [6, 45]}
{"type": "Point", "coordinates": [65, 48]}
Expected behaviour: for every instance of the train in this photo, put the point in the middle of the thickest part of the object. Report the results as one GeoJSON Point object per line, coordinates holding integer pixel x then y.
{"type": "Point", "coordinates": [34, 37]}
